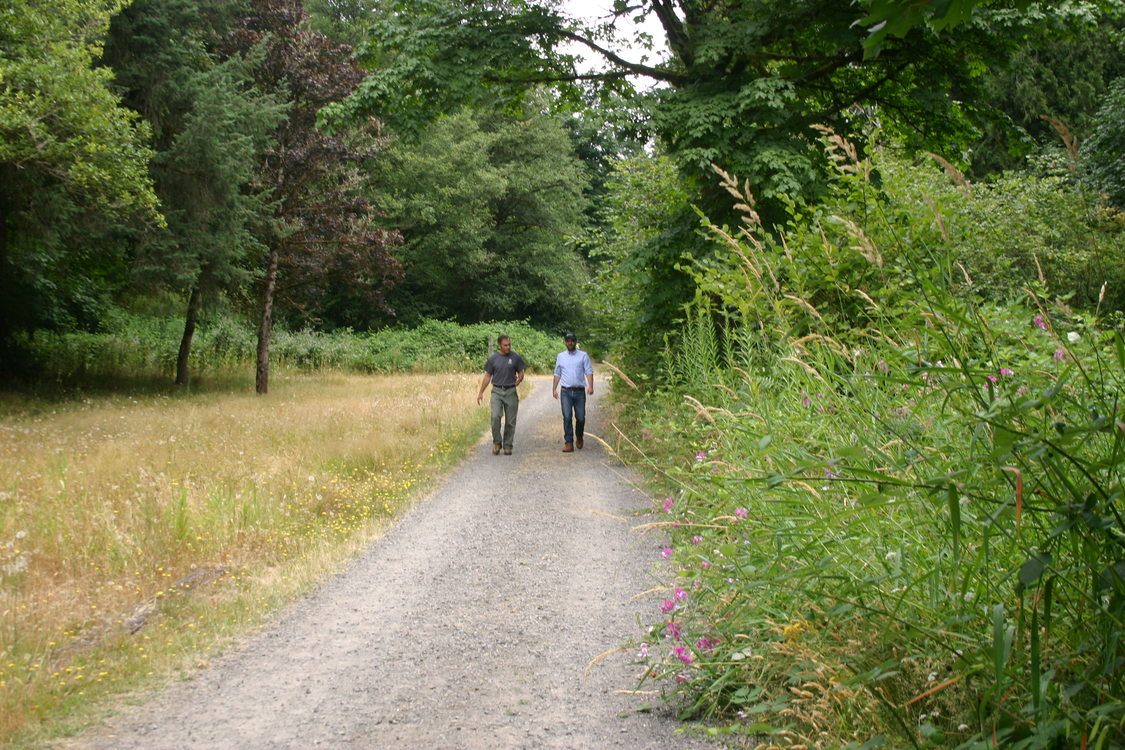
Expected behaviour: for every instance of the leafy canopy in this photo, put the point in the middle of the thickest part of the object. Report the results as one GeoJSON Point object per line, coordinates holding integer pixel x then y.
{"type": "Point", "coordinates": [57, 114]}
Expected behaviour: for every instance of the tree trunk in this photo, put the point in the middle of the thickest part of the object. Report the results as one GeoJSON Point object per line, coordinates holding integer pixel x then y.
{"type": "Point", "coordinates": [189, 332]}
{"type": "Point", "coordinates": [262, 376]}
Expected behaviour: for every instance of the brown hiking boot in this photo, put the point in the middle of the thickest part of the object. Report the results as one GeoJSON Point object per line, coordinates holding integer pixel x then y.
{"type": "Point", "coordinates": [568, 448]}
{"type": "Point", "coordinates": [578, 443]}
{"type": "Point", "coordinates": [495, 448]}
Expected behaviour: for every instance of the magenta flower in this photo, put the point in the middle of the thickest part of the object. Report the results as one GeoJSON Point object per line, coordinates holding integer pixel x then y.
{"type": "Point", "coordinates": [666, 552]}
{"type": "Point", "coordinates": [1006, 372]}
{"type": "Point", "coordinates": [681, 677]}
{"type": "Point", "coordinates": [679, 594]}
{"type": "Point", "coordinates": [742, 513]}
{"type": "Point", "coordinates": [704, 644]}
{"type": "Point", "coordinates": [882, 366]}
{"type": "Point", "coordinates": [1040, 322]}
{"type": "Point", "coordinates": [668, 503]}
{"type": "Point", "coordinates": [682, 654]}
{"type": "Point", "coordinates": [991, 378]}
{"type": "Point", "coordinates": [667, 606]}
{"type": "Point", "coordinates": [673, 629]}
{"type": "Point", "coordinates": [700, 456]}
{"type": "Point", "coordinates": [643, 653]}
{"type": "Point", "coordinates": [705, 564]}
{"type": "Point", "coordinates": [1060, 354]}
{"type": "Point", "coordinates": [696, 539]}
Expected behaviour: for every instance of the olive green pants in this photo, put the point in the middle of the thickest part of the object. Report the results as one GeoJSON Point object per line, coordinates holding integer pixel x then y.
{"type": "Point", "coordinates": [505, 404]}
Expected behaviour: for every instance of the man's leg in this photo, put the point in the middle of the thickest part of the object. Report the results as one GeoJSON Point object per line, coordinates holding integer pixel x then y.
{"type": "Point", "coordinates": [497, 404]}
{"type": "Point", "coordinates": [567, 401]}
{"type": "Point", "coordinates": [579, 401]}
{"type": "Point", "coordinates": [511, 410]}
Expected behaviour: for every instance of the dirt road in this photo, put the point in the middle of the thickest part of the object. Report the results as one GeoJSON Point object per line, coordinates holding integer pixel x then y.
{"type": "Point", "coordinates": [469, 625]}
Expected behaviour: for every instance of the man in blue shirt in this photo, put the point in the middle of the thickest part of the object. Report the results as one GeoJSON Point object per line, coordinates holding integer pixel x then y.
{"type": "Point", "coordinates": [575, 375]}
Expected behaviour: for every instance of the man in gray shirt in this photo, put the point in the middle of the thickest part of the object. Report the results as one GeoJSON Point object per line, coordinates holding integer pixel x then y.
{"type": "Point", "coordinates": [504, 369]}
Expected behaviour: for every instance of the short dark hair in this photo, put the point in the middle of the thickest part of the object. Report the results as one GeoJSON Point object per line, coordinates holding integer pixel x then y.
{"type": "Point", "coordinates": [503, 337]}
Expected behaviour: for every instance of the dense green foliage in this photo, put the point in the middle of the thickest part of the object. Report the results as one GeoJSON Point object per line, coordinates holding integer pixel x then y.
{"type": "Point", "coordinates": [142, 346]}
{"type": "Point", "coordinates": [1101, 154]}
{"type": "Point", "coordinates": [486, 204]}
{"type": "Point", "coordinates": [70, 156]}
{"type": "Point", "coordinates": [899, 517]}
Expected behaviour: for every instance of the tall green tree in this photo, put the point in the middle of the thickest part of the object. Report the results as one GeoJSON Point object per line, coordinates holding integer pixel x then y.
{"type": "Point", "coordinates": [207, 174]}
{"type": "Point", "coordinates": [70, 156]}
{"type": "Point", "coordinates": [1103, 153]}
{"type": "Point", "coordinates": [321, 221]}
{"type": "Point", "coordinates": [210, 126]}
{"type": "Point", "coordinates": [487, 204]}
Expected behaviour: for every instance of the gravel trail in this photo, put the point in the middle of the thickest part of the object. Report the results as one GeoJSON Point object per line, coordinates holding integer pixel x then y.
{"type": "Point", "coordinates": [470, 624]}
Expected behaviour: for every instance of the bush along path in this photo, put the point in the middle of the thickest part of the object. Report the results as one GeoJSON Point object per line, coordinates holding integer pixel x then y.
{"type": "Point", "coordinates": [496, 614]}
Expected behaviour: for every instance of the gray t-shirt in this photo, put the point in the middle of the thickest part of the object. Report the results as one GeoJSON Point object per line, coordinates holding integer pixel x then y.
{"type": "Point", "coordinates": [503, 368]}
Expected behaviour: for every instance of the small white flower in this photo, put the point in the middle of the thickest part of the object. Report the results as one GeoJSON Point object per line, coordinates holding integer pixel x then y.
{"type": "Point", "coordinates": [962, 727]}
{"type": "Point", "coordinates": [1072, 336]}
{"type": "Point", "coordinates": [890, 555]}
{"type": "Point", "coordinates": [931, 677]}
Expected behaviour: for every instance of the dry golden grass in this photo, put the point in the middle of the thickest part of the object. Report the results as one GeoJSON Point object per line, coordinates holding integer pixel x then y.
{"type": "Point", "coordinates": [137, 531]}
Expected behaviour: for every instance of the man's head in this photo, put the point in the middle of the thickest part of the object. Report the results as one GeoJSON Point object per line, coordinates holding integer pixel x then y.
{"type": "Point", "coordinates": [505, 343]}
{"type": "Point", "coordinates": [571, 341]}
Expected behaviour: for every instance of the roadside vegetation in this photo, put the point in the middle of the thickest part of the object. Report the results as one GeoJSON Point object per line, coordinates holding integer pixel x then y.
{"type": "Point", "coordinates": [889, 456]}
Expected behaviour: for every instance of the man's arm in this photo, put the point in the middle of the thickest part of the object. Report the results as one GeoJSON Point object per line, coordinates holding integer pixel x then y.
{"type": "Point", "coordinates": [484, 381]}
{"type": "Point", "coordinates": [555, 387]}
{"type": "Point", "coordinates": [590, 385]}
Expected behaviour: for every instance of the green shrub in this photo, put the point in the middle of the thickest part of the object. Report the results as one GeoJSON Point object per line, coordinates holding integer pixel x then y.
{"type": "Point", "coordinates": [899, 517]}
{"type": "Point", "coordinates": [141, 345]}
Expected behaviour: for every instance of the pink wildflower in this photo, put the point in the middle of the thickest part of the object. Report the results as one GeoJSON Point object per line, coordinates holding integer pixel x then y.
{"type": "Point", "coordinates": [1040, 322]}
{"type": "Point", "coordinates": [682, 654]}
{"type": "Point", "coordinates": [696, 539]}
{"type": "Point", "coordinates": [643, 653]}
{"type": "Point", "coordinates": [679, 594]}
{"type": "Point", "coordinates": [1006, 372]}
{"type": "Point", "coordinates": [742, 513]}
{"type": "Point", "coordinates": [667, 606]}
{"type": "Point", "coordinates": [668, 503]}
{"type": "Point", "coordinates": [1060, 354]}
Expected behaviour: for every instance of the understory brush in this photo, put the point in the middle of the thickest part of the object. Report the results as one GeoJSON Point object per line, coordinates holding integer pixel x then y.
{"type": "Point", "coordinates": [134, 345]}
{"type": "Point", "coordinates": [900, 522]}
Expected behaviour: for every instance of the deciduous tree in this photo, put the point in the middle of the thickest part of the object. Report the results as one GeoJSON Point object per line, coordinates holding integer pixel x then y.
{"type": "Point", "coordinates": [320, 219]}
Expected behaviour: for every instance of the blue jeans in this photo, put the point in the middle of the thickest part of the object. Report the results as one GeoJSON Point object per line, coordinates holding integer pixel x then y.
{"type": "Point", "coordinates": [573, 409]}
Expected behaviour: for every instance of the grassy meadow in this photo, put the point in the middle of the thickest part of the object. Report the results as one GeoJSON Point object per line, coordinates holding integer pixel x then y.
{"type": "Point", "coordinates": [141, 530]}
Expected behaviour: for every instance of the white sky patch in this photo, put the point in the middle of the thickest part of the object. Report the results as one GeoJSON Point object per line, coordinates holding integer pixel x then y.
{"type": "Point", "coordinates": [599, 11]}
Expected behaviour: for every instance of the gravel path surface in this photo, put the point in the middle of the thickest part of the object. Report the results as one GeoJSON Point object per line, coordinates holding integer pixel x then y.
{"type": "Point", "coordinates": [469, 625]}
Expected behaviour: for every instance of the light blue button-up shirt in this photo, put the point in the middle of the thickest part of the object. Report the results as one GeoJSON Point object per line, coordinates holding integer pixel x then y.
{"type": "Point", "coordinates": [571, 368]}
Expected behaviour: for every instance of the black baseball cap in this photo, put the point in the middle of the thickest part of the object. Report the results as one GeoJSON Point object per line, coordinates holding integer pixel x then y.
{"type": "Point", "coordinates": [569, 335]}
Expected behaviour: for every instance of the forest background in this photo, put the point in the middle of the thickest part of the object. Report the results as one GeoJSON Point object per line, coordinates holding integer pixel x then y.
{"type": "Point", "coordinates": [857, 264]}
